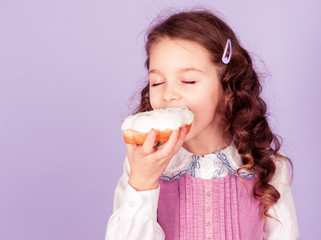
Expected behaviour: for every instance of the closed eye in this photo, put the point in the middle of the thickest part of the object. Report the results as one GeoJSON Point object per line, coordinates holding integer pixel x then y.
{"type": "Point", "coordinates": [156, 84]}
{"type": "Point", "coordinates": [189, 82]}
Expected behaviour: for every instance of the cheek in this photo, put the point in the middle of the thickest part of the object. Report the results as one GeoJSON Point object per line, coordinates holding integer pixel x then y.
{"type": "Point", "coordinates": [154, 99]}
{"type": "Point", "coordinates": [205, 110]}
{"type": "Point", "coordinates": [153, 104]}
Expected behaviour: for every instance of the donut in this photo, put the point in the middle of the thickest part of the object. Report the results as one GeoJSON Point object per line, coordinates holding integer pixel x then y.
{"type": "Point", "coordinates": [135, 127]}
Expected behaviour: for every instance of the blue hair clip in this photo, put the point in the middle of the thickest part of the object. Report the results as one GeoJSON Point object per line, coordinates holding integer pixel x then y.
{"type": "Point", "coordinates": [226, 59]}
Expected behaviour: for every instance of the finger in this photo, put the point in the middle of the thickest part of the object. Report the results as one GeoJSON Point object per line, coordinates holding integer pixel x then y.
{"type": "Point", "coordinates": [130, 147]}
{"type": "Point", "coordinates": [170, 144]}
{"type": "Point", "coordinates": [130, 150]}
{"type": "Point", "coordinates": [148, 144]}
{"type": "Point", "coordinates": [181, 139]}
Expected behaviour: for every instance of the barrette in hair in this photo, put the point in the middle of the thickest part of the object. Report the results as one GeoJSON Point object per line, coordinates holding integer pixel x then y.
{"type": "Point", "coordinates": [226, 59]}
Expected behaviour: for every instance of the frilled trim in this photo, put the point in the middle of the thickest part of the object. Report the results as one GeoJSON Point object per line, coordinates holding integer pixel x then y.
{"type": "Point", "coordinates": [224, 162]}
{"type": "Point", "coordinates": [191, 168]}
{"type": "Point", "coordinates": [223, 158]}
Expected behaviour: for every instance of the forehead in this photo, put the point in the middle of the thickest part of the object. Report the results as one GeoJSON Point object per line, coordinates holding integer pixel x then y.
{"type": "Point", "coordinates": [172, 54]}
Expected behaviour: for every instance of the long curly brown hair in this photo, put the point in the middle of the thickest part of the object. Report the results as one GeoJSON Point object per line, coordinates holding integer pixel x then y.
{"type": "Point", "coordinates": [245, 112]}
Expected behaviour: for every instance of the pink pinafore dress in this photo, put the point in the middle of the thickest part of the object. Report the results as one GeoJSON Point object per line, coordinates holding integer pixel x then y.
{"type": "Point", "coordinates": [191, 208]}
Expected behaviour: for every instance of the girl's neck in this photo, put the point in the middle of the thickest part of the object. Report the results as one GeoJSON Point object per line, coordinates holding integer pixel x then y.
{"type": "Point", "coordinates": [202, 145]}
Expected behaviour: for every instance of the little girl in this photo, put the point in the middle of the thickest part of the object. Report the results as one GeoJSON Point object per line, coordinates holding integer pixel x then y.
{"type": "Point", "coordinates": [225, 179]}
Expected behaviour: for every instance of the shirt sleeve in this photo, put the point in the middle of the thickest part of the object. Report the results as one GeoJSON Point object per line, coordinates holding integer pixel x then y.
{"type": "Point", "coordinates": [284, 209]}
{"type": "Point", "coordinates": [134, 213]}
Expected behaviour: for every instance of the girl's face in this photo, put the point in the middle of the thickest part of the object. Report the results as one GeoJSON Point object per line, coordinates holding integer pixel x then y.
{"type": "Point", "coordinates": [182, 74]}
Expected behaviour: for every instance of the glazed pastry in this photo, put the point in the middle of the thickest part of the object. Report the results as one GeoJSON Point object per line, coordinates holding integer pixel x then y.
{"type": "Point", "coordinates": [164, 121]}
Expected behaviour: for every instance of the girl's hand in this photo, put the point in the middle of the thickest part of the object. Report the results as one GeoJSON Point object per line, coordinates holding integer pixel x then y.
{"type": "Point", "coordinates": [147, 163]}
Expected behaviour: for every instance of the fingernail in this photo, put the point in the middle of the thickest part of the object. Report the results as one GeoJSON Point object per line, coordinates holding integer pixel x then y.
{"type": "Point", "coordinates": [152, 132]}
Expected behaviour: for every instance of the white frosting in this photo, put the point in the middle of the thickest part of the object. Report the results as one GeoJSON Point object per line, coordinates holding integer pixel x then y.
{"type": "Point", "coordinates": [160, 119]}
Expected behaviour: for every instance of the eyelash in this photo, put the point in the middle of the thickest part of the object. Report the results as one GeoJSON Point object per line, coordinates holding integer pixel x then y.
{"type": "Point", "coordinates": [189, 82]}
{"type": "Point", "coordinates": [156, 84]}
{"type": "Point", "coordinates": [186, 82]}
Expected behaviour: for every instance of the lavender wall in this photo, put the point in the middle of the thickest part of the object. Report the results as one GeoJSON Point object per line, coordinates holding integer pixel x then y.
{"type": "Point", "coordinates": [68, 69]}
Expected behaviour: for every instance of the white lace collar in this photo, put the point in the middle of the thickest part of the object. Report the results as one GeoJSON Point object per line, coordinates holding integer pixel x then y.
{"type": "Point", "coordinates": [211, 166]}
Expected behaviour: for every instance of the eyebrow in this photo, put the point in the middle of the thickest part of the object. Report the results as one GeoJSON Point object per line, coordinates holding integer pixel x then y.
{"type": "Point", "coordinates": [179, 71]}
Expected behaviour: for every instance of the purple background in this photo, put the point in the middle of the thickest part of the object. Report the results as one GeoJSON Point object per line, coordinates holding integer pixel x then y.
{"type": "Point", "coordinates": [68, 71]}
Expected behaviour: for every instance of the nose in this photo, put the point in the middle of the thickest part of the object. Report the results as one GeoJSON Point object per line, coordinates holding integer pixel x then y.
{"type": "Point", "coordinates": [170, 95]}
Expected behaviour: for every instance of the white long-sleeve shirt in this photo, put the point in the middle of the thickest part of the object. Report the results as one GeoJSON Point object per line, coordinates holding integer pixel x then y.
{"type": "Point", "coordinates": [135, 212]}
